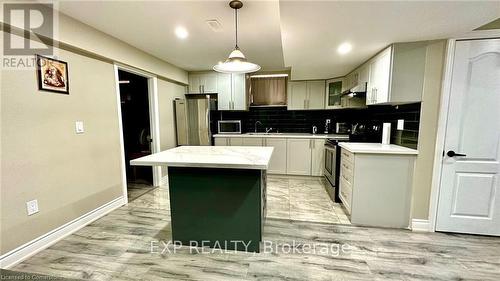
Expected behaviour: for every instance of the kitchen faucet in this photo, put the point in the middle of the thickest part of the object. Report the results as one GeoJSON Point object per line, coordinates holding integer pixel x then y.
{"type": "Point", "coordinates": [268, 130]}
{"type": "Point", "coordinates": [257, 122]}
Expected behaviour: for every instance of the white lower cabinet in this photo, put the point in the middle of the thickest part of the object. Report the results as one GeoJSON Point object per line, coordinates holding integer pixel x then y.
{"type": "Point", "coordinates": [252, 142]}
{"type": "Point", "coordinates": [298, 156]}
{"type": "Point", "coordinates": [277, 165]}
{"type": "Point", "coordinates": [376, 188]}
{"type": "Point", "coordinates": [317, 157]}
{"type": "Point", "coordinates": [291, 156]}
{"type": "Point", "coordinates": [221, 141]}
{"type": "Point", "coordinates": [236, 141]}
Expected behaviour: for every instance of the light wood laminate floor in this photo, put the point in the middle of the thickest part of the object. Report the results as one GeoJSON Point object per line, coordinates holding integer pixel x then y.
{"type": "Point", "coordinates": [302, 198]}
{"type": "Point", "coordinates": [118, 247]}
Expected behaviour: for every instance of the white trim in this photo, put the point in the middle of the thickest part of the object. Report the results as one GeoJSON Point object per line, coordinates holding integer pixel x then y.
{"type": "Point", "coordinates": [479, 34]}
{"type": "Point", "coordinates": [36, 245]}
{"type": "Point", "coordinates": [154, 119]}
{"type": "Point", "coordinates": [120, 128]}
{"type": "Point", "coordinates": [420, 225]}
{"type": "Point", "coordinates": [443, 118]}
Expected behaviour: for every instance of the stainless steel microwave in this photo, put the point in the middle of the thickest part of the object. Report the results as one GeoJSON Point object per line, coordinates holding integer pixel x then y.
{"type": "Point", "coordinates": [229, 127]}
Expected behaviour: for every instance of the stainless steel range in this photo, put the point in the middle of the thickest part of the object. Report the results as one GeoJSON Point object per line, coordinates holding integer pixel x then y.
{"type": "Point", "coordinates": [331, 169]}
{"type": "Point", "coordinates": [359, 132]}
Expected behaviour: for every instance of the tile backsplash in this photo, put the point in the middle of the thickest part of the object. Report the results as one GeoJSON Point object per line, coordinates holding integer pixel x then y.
{"type": "Point", "coordinates": [301, 121]}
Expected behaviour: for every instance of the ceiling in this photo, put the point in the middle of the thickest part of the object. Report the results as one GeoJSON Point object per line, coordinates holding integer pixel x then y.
{"type": "Point", "coordinates": [302, 35]}
{"type": "Point", "coordinates": [312, 30]}
{"type": "Point", "coordinates": [150, 25]}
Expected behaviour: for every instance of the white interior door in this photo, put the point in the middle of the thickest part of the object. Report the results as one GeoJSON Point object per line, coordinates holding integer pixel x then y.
{"type": "Point", "coordinates": [469, 198]}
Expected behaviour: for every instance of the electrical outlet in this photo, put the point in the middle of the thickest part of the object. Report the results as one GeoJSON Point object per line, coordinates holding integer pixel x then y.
{"type": "Point", "coordinates": [79, 127]}
{"type": "Point", "coordinates": [32, 207]}
{"type": "Point", "coordinates": [401, 124]}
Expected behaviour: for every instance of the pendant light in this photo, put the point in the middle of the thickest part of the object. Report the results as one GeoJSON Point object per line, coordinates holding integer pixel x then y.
{"type": "Point", "coordinates": [236, 63]}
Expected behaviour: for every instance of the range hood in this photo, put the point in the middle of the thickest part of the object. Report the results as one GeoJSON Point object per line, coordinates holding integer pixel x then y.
{"type": "Point", "coordinates": [357, 90]}
{"type": "Point", "coordinates": [267, 90]}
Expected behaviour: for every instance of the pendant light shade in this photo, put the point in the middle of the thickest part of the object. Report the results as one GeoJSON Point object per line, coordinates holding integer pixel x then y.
{"type": "Point", "coordinates": [236, 62]}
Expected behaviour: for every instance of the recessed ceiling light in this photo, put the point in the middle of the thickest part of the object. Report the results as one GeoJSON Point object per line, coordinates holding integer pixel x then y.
{"type": "Point", "coordinates": [181, 32]}
{"type": "Point", "coordinates": [344, 48]}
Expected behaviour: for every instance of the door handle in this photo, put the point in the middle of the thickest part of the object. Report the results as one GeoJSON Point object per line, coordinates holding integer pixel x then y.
{"type": "Point", "coordinates": [452, 153]}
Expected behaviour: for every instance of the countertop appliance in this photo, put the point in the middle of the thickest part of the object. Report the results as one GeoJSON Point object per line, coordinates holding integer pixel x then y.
{"type": "Point", "coordinates": [229, 127]}
{"type": "Point", "coordinates": [342, 128]}
{"type": "Point", "coordinates": [360, 132]}
{"type": "Point", "coordinates": [192, 119]}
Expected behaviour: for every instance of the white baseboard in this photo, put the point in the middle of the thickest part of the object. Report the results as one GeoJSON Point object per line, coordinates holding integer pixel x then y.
{"type": "Point", "coordinates": [36, 245]}
{"type": "Point", "coordinates": [420, 225]}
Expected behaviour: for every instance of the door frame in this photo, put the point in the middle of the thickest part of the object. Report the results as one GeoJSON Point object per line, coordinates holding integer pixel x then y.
{"type": "Point", "coordinates": [154, 121]}
{"type": "Point", "coordinates": [443, 118]}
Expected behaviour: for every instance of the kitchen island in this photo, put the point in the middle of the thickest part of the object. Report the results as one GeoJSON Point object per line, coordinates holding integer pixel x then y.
{"type": "Point", "coordinates": [217, 194]}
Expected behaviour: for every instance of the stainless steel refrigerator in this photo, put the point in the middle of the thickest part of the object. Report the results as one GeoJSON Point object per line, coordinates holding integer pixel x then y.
{"type": "Point", "coordinates": [192, 119]}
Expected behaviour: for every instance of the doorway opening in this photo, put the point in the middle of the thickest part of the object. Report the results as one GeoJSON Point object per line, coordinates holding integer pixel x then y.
{"type": "Point", "coordinates": [136, 130]}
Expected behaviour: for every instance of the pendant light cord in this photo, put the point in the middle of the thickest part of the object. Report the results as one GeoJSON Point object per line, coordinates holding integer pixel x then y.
{"type": "Point", "coordinates": [236, 21]}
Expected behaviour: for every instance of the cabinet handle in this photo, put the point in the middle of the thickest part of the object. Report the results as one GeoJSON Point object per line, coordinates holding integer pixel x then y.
{"type": "Point", "coordinates": [305, 104]}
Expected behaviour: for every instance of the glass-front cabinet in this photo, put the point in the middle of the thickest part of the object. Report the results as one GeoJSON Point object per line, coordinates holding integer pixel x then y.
{"type": "Point", "coordinates": [333, 93]}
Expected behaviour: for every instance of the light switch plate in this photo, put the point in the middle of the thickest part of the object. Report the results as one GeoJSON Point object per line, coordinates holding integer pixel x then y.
{"type": "Point", "coordinates": [401, 124]}
{"type": "Point", "coordinates": [79, 127]}
{"type": "Point", "coordinates": [32, 207]}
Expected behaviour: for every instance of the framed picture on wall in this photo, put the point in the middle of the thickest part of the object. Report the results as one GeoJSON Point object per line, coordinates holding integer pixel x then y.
{"type": "Point", "coordinates": [52, 75]}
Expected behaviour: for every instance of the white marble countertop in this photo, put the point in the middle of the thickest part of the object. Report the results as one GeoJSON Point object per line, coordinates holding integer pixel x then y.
{"type": "Point", "coordinates": [284, 135]}
{"type": "Point", "coordinates": [377, 148]}
{"type": "Point", "coordinates": [235, 157]}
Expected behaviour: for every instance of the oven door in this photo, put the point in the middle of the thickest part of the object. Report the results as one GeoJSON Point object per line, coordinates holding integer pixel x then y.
{"type": "Point", "coordinates": [330, 163]}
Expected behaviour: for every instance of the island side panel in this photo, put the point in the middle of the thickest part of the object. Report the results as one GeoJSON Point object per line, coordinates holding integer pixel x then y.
{"type": "Point", "coordinates": [216, 205]}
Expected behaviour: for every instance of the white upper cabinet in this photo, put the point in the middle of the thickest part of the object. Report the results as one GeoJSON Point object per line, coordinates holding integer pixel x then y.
{"type": "Point", "coordinates": [396, 75]}
{"type": "Point", "coordinates": [297, 95]}
{"type": "Point", "coordinates": [203, 83]}
{"type": "Point", "coordinates": [239, 95]}
{"type": "Point", "coordinates": [306, 95]}
{"type": "Point", "coordinates": [224, 91]}
{"type": "Point", "coordinates": [316, 94]}
{"type": "Point", "coordinates": [333, 95]}
{"type": "Point", "coordinates": [231, 92]}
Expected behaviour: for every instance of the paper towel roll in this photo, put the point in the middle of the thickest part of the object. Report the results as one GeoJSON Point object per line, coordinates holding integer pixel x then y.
{"type": "Point", "coordinates": [386, 133]}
